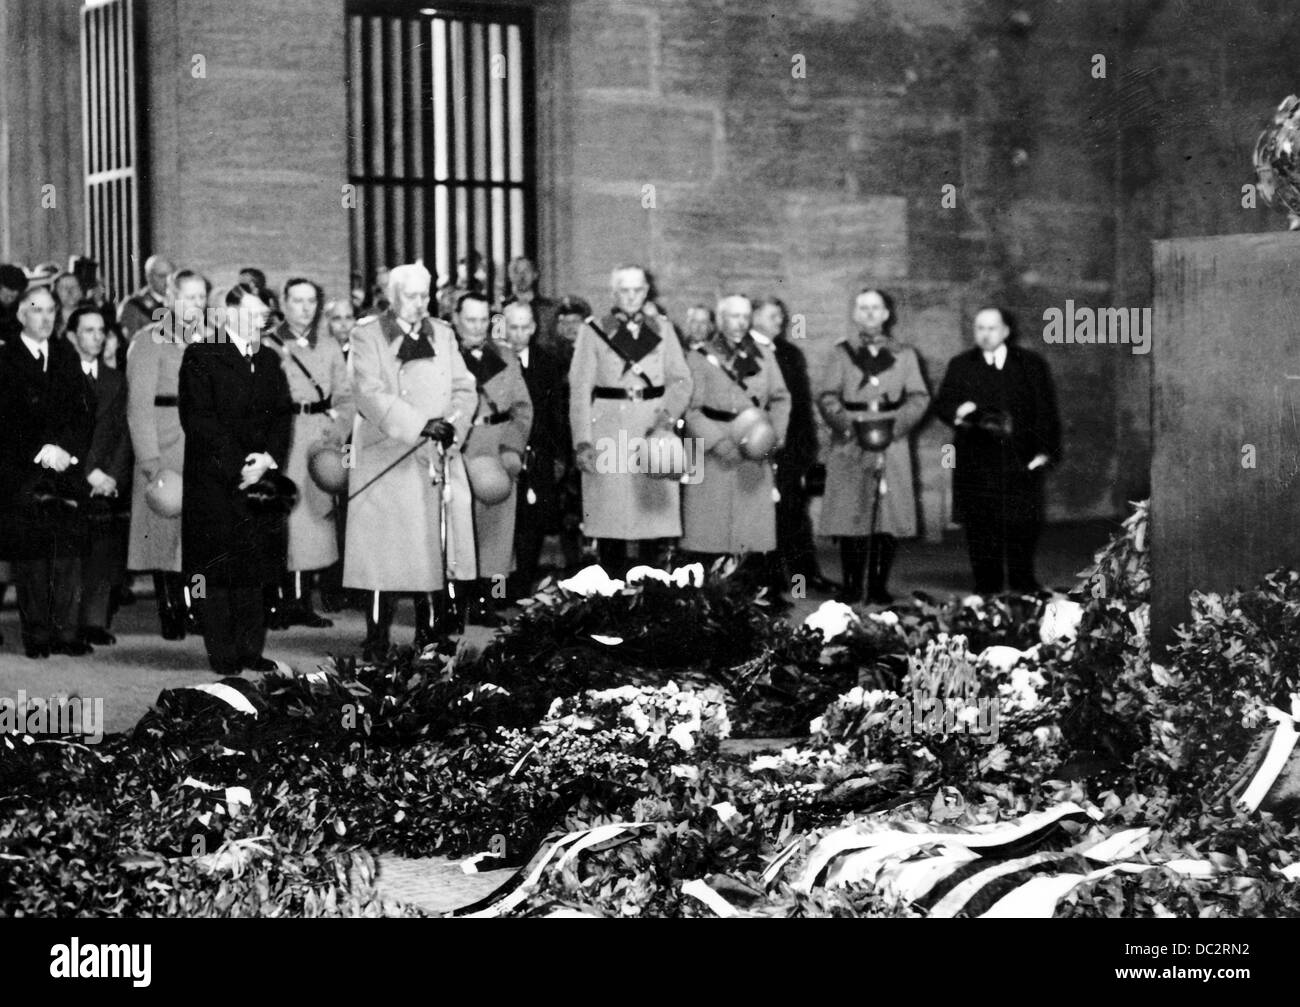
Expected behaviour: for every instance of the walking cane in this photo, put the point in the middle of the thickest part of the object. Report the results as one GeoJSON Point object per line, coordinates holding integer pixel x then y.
{"type": "Point", "coordinates": [375, 479]}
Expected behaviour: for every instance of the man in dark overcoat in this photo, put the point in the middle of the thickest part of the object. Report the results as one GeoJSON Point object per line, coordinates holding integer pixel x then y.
{"type": "Point", "coordinates": [546, 377]}
{"type": "Point", "coordinates": [999, 400]}
{"type": "Point", "coordinates": [107, 468]}
{"type": "Point", "coordinates": [45, 426]}
{"type": "Point", "coordinates": [235, 409]}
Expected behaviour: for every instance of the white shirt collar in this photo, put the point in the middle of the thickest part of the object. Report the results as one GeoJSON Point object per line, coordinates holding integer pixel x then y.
{"type": "Point", "coordinates": [38, 350]}
{"type": "Point", "coordinates": [523, 356]}
{"type": "Point", "coordinates": [241, 344]}
{"type": "Point", "coordinates": [759, 338]}
{"type": "Point", "coordinates": [998, 357]}
{"type": "Point", "coordinates": [90, 368]}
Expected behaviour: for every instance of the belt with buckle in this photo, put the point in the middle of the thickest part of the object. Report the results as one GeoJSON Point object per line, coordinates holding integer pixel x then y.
{"type": "Point", "coordinates": [721, 415]}
{"type": "Point", "coordinates": [635, 394]}
{"type": "Point", "coordinates": [312, 408]}
{"type": "Point", "coordinates": [862, 407]}
{"type": "Point", "coordinates": [493, 419]}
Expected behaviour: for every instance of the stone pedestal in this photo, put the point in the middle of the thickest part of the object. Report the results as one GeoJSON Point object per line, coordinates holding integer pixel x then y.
{"type": "Point", "coordinates": [1225, 475]}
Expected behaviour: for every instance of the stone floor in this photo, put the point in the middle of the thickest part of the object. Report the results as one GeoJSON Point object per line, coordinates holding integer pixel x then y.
{"type": "Point", "coordinates": [435, 884]}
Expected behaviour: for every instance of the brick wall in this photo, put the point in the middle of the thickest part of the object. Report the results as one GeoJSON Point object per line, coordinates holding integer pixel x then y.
{"type": "Point", "coordinates": [810, 186]}
{"type": "Point", "coordinates": [248, 161]}
{"type": "Point", "coordinates": [40, 132]}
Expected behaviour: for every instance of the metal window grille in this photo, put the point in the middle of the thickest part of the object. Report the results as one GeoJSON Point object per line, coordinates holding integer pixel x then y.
{"type": "Point", "coordinates": [440, 136]}
{"type": "Point", "coordinates": [110, 140]}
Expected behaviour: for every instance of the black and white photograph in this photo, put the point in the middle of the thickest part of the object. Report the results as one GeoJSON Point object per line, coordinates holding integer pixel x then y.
{"type": "Point", "coordinates": [663, 458]}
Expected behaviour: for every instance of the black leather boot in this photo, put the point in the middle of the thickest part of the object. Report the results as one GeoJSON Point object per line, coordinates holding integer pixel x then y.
{"type": "Point", "coordinates": [297, 586]}
{"type": "Point", "coordinates": [379, 619]}
{"type": "Point", "coordinates": [853, 561]}
{"type": "Point", "coordinates": [461, 596]}
{"type": "Point", "coordinates": [483, 606]}
{"type": "Point", "coordinates": [881, 559]}
{"type": "Point", "coordinates": [273, 606]}
{"type": "Point", "coordinates": [171, 617]}
{"type": "Point", "coordinates": [189, 605]}
{"type": "Point", "coordinates": [432, 620]}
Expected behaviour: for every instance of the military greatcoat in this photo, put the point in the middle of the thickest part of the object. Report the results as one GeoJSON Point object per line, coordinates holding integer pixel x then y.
{"type": "Point", "coordinates": [400, 381]}
{"type": "Point", "coordinates": [615, 398]}
{"type": "Point", "coordinates": [858, 380]}
{"type": "Point", "coordinates": [502, 422]}
{"type": "Point", "coordinates": [323, 414]}
{"type": "Point", "coordinates": [727, 506]}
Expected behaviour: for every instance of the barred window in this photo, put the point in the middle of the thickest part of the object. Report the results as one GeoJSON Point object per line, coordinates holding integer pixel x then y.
{"type": "Point", "coordinates": [440, 136]}
{"type": "Point", "coordinates": [111, 140]}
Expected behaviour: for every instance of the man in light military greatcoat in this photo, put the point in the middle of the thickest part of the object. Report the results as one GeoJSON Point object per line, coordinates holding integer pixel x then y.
{"type": "Point", "coordinates": [323, 414]}
{"type": "Point", "coordinates": [502, 422]}
{"type": "Point", "coordinates": [728, 508]}
{"type": "Point", "coordinates": [415, 401]}
{"type": "Point", "coordinates": [628, 379]}
{"type": "Point", "coordinates": [870, 376]}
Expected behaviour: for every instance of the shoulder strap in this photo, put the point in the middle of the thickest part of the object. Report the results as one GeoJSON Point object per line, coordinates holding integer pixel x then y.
{"type": "Point", "coordinates": [628, 362]}
{"type": "Point", "coordinates": [716, 361]}
{"type": "Point", "coordinates": [320, 392]}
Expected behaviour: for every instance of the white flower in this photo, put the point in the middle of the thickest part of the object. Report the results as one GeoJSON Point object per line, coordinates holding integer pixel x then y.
{"type": "Point", "coordinates": [640, 573]}
{"type": "Point", "coordinates": [972, 601]}
{"type": "Point", "coordinates": [684, 736]}
{"type": "Point", "coordinates": [766, 762]}
{"type": "Point", "coordinates": [1021, 692]}
{"type": "Point", "coordinates": [832, 619]}
{"type": "Point", "coordinates": [815, 725]}
{"type": "Point", "coordinates": [1061, 618]}
{"type": "Point", "coordinates": [623, 694]}
{"type": "Point", "coordinates": [887, 618]}
{"type": "Point", "coordinates": [592, 580]}
{"type": "Point", "coordinates": [1001, 658]}
{"type": "Point", "coordinates": [690, 575]}
{"type": "Point", "coordinates": [1046, 735]}
{"type": "Point", "coordinates": [686, 772]}
{"type": "Point", "coordinates": [640, 722]}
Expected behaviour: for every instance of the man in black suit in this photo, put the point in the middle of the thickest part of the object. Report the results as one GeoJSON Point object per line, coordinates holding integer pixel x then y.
{"type": "Point", "coordinates": [796, 548]}
{"type": "Point", "coordinates": [235, 409]}
{"type": "Point", "coordinates": [44, 432]}
{"type": "Point", "coordinates": [1000, 401]}
{"type": "Point", "coordinates": [107, 469]}
{"type": "Point", "coordinates": [538, 512]}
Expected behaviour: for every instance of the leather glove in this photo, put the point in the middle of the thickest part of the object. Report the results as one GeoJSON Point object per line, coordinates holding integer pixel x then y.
{"type": "Point", "coordinates": [441, 431]}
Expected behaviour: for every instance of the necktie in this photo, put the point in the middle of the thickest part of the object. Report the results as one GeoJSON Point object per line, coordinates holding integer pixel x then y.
{"type": "Point", "coordinates": [252, 367]}
{"type": "Point", "coordinates": [43, 360]}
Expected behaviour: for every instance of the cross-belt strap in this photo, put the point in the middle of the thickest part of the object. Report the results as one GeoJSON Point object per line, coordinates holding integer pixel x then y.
{"type": "Point", "coordinates": [320, 392]}
{"type": "Point", "coordinates": [628, 363]}
{"type": "Point", "coordinates": [716, 361]}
